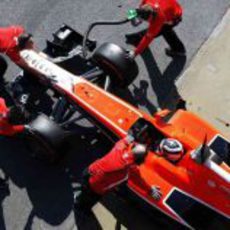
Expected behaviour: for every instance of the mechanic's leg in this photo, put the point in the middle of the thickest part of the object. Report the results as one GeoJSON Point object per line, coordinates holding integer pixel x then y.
{"type": "Point", "coordinates": [176, 46]}
{"type": "Point", "coordinates": [135, 38]}
{"type": "Point", "coordinates": [86, 199]}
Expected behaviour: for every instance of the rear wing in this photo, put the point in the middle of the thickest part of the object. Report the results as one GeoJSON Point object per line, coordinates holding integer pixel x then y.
{"type": "Point", "coordinates": [65, 39]}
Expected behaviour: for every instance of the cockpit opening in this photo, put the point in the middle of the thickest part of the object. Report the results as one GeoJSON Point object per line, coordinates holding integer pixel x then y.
{"type": "Point", "coordinates": [146, 133]}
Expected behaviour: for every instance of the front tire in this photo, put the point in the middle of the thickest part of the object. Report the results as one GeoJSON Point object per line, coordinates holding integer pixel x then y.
{"type": "Point", "coordinates": [116, 63]}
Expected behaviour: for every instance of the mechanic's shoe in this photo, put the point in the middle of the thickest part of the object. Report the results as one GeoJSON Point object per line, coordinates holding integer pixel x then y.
{"type": "Point", "coordinates": [174, 53]}
{"type": "Point", "coordinates": [181, 104]}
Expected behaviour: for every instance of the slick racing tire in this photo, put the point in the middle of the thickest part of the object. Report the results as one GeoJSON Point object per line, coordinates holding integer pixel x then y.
{"type": "Point", "coordinates": [46, 138]}
{"type": "Point", "coordinates": [115, 62]}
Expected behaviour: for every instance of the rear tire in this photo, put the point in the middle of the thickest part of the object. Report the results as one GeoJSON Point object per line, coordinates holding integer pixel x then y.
{"type": "Point", "coordinates": [115, 62]}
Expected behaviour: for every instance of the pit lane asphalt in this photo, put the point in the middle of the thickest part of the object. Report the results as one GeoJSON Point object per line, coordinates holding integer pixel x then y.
{"type": "Point", "coordinates": [41, 195]}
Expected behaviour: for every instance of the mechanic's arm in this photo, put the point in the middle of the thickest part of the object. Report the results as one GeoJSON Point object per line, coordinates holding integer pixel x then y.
{"type": "Point", "coordinates": [155, 26]}
{"type": "Point", "coordinates": [154, 191]}
{"type": "Point", "coordinates": [143, 2]}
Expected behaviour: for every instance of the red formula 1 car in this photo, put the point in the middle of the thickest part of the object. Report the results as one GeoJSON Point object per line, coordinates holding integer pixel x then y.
{"type": "Point", "coordinates": [195, 190]}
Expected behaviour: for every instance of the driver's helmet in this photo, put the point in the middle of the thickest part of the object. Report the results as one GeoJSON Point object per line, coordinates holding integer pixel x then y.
{"type": "Point", "coordinates": [171, 149]}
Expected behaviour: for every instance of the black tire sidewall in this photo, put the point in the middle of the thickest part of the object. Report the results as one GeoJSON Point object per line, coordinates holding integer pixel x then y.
{"type": "Point", "coordinates": [115, 62]}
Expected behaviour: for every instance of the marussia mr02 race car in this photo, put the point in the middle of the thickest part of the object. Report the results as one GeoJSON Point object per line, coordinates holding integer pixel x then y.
{"type": "Point", "coordinates": [195, 190]}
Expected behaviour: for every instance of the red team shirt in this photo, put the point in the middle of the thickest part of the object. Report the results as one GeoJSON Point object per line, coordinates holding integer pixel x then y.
{"type": "Point", "coordinates": [8, 41]}
{"type": "Point", "coordinates": [112, 169]}
{"type": "Point", "coordinates": [115, 168]}
{"type": "Point", "coordinates": [168, 12]}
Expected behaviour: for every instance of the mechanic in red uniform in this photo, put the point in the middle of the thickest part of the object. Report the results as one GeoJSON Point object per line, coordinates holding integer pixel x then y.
{"type": "Point", "coordinates": [162, 16]}
{"type": "Point", "coordinates": [13, 39]}
{"type": "Point", "coordinates": [9, 118]}
{"type": "Point", "coordinates": [111, 171]}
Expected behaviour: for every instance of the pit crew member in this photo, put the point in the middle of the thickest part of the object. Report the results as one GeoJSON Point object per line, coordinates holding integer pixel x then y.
{"type": "Point", "coordinates": [162, 17]}
{"type": "Point", "coordinates": [13, 39]}
{"type": "Point", "coordinates": [105, 174]}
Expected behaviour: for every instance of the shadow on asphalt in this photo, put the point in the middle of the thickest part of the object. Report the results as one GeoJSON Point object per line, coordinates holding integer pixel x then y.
{"type": "Point", "coordinates": [4, 192]}
{"type": "Point", "coordinates": [138, 97]}
{"type": "Point", "coordinates": [163, 84]}
{"type": "Point", "coordinates": [48, 187]}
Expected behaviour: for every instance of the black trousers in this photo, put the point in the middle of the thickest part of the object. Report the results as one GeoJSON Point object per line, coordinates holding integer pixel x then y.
{"type": "Point", "coordinates": [87, 198]}
{"type": "Point", "coordinates": [172, 39]}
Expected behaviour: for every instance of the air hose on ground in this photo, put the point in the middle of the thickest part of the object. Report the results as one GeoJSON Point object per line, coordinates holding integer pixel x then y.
{"type": "Point", "coordinates": [131, 17]}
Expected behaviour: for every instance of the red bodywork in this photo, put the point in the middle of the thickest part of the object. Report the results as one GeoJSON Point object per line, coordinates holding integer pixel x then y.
{"type": "Point", "coordinates": [205, 183]}
{"type": "Point", "coordinates": [187, 175]}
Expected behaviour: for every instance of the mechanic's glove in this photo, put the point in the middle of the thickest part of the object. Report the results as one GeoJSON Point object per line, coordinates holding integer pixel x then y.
{"type": "Point", "coordinates": [129, 139]}
{"type": "Point", "coordinates": [131, 54]}
{"type": "Point", "coordinates": [146, 11]}
{"type": "Point", "coordinates": [156, 192]}
{"type": "Point", "coordinates": [139, 152]}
